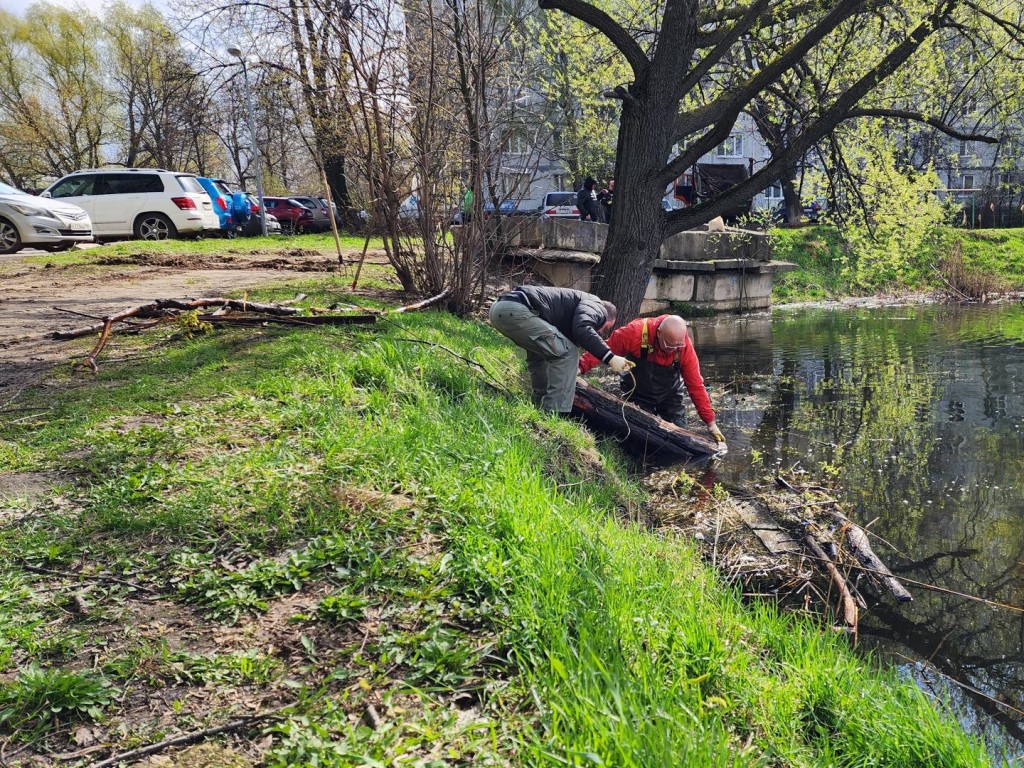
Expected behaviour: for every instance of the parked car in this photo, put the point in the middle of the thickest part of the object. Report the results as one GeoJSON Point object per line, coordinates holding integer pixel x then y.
{"type": "Point", "coordinates": [293, 215]}
{"type": "Point", "coordinates": [253, 227]}
{"type": "Point", "coordinates": [559, 205]}
{"type": "Point", "coordinates": [146, 203]}
{"type": "Point", "coordinates": [27, 221]}
{"type": "Point", "coordinates": [508, 208]}
{"type": "Point", "coordinates": [409, 209]}
{"type": "Point", "coordinates": [321, 219]}
{"type": "Point", "coordinates": [232, 208]}
{"type": "Point", "coordinates": [334, 207]}
{"type": "Point", "coordinates": [813, 211]}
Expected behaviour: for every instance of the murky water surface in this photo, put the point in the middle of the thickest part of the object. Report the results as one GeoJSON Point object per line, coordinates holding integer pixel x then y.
{"type": "Point", "coordinates": [916, 416]}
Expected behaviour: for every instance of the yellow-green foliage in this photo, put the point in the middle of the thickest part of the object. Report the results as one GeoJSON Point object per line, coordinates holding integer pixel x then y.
{"type": "Point", "coordinates": [578, 66]}
{"type": "Point", "coordinates": [891, 219]}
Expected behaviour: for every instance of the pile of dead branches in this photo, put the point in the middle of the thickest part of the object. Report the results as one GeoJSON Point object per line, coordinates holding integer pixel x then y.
{"type": "Point", "coordinates": [791, 542]}
{"type": "Point", "coordinates": [216, 311]}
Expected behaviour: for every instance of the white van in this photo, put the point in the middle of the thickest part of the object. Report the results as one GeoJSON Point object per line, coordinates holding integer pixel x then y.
{"type": "Point", "coordinates": [145, 203]}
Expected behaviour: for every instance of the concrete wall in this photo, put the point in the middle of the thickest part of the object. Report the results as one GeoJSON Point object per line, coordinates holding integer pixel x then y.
{"type": "Point", "coordinates": [700, 245]}
{"type": "Point", "coordinates": [590, 237]}
{"type": "Point", "coordinates": [723, 271]}
{"type": "Point", "coordinates": [721, 290]}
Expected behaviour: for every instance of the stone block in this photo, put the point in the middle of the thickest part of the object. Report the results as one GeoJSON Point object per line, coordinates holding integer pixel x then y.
{"type": "Point", "coordinates": [696, 245]}
{"type": "Point", "coordinates": [574, 235]}
{"type": "Point", "coordinates": [563, 274]}
{"type": "Point", "coordinates": [525, 233]}
{"type": "Point", "coordinates": [671, 286]}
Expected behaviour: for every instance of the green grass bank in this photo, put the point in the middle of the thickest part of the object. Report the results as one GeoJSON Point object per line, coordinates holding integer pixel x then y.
{"type": "Point", "coordinates": [352, 531]}
{"type": "Point", "coordinates": [972, 262]}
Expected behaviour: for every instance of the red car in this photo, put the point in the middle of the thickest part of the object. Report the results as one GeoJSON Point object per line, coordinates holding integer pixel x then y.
{"type": "Point", "coordinates": [293, 215]}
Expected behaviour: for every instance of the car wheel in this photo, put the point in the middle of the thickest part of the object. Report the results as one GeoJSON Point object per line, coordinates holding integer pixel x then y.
{"type": "Point", "coordinates": [154, 226]}
{"type": "Point", "coordinates": [10, 238]}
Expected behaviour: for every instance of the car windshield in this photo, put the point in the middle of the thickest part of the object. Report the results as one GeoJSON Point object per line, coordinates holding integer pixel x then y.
{"type": "Point", "coordinates": [6, 189]}
{"type": "Point", "coordinates": [562, 198]}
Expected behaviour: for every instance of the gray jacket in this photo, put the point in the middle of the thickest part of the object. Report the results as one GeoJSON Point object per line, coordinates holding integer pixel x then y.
{"type": "Point", "coordinates": [576, 314]}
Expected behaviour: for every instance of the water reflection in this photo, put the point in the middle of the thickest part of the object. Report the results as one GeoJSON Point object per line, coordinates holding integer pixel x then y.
{"type": "Point", "coordinates": [915, 415]}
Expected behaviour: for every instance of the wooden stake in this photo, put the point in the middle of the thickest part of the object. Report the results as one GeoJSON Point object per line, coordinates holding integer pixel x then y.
{"type": "Point", "coordinates": [330, 212]}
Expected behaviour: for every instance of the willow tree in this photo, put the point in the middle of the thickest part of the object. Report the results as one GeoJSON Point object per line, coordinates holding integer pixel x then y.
{"type": "Point", "coordinates": [162, 102]}
{"type": "Point", "coordinates": [686, 92]}
{"type": "Point", "coordinates": [55, 113]}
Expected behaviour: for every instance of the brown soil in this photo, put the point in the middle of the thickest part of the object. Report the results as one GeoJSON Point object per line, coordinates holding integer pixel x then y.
{"type": "Point", "coordinates": [30, 294]}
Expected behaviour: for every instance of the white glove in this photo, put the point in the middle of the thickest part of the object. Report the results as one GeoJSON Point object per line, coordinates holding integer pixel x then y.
{"type": "Point", "coordinates": [620, 364]}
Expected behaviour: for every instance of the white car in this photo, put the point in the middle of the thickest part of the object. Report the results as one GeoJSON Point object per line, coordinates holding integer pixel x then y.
{"type": "Point", "coordinates": [559, 205]}
{"type": "Point", "coordinates": [145, 203]}
{"type": "Point", "coordinates": [27, 221]}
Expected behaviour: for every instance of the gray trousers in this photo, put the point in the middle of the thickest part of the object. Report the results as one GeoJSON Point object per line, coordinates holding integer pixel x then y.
{"type": "Point", "coordinates": [551, 358]}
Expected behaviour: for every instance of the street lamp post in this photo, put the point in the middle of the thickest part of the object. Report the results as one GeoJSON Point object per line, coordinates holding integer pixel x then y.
{"type": "Point", "coordinates": [236, 51]}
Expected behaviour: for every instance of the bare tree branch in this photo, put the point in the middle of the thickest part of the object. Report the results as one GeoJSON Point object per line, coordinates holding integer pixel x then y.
{"type": "Point", "coordinates": [607, 26]}
{"type": "Point", "coordinates": [906, 114]}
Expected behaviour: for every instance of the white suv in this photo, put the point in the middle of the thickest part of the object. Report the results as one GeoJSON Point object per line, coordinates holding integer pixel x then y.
{"type": "Point", "coordinates": [149, 204]}
{"type": "Point", "coordinates": [559, 205]}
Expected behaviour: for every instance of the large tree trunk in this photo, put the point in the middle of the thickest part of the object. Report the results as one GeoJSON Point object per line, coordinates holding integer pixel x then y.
{"type": "Point", "coordinates": [791, 197]}
{"type": "Point", "coordinates": [638, 221]}
{"type": "Point", "coordinates": [334, 169]}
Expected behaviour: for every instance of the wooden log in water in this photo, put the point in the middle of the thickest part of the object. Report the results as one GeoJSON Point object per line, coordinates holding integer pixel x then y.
{"type": "Point", "coordinates": [611, 413]}
{"type": "Point", "coordinates": [858, 542]}
{"type": "Point", "coordinates": [845, 598]}
{"type": "Point", "coordinates": [861, 549]}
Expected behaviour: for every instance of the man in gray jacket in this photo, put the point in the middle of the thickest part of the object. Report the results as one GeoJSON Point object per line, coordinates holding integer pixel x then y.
{"type": "Point", "coordinates": [550, 323]}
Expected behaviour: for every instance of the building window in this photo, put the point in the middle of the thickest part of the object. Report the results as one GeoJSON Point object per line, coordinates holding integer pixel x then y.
{"type": "Point", "coordinates": [518, 142]}
{"type": "Point", "coordinates": [774, 192]}
{"type": "Point", "coordinates": [731, 147]}
{"type": "Point", "coordinates": [1005, 180]}
{"type": "Point", "coordinates": [967, 181]}
{"type": "Point", "coordinates": [517, 185]}
{"type": "Point", "coordinates": [965, 148]}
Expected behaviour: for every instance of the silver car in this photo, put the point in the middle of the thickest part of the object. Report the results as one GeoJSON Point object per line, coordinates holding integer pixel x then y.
{"type": "Point", "coordinates": [27, 221]}
{"type": "Point", "coordinates": [321, 220]}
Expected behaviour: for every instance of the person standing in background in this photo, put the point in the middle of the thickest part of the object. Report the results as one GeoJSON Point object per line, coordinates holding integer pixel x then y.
{"type": "Point", "coordinates": [586, 201]}
{"type": "Point", "coordinates": [605, 197]}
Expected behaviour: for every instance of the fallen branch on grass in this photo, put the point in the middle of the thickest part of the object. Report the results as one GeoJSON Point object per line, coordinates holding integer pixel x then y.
{"type": "Point", "coordinates": [162, 310]}
{"type": "Point", "coordinates": [164, 307]}
{"type": "Point", "coordinates": [421, 304]}
{"type": "Point", "coordinates": [93, 577]}
{"type": "Point", "coordinates": [188, 738]}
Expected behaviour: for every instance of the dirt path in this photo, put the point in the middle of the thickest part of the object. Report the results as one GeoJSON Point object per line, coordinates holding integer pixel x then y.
{"type": "Point", "coordinates": [29, 293]}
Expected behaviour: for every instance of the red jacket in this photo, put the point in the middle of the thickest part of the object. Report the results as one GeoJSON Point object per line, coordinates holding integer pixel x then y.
{"type": "Point", "coordinates": [625, 341]}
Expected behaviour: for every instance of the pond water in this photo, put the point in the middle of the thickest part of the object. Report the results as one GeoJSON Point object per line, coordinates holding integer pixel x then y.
{"type": "Point", "coordinates": [916, 416]}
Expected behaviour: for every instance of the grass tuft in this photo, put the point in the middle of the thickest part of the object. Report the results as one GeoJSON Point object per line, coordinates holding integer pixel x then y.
{"type": "Point", "coordinates": [41, 699]}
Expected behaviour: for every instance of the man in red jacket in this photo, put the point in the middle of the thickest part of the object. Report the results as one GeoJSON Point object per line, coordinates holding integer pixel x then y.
{"type": "Point", "coordinates": [665, 363]}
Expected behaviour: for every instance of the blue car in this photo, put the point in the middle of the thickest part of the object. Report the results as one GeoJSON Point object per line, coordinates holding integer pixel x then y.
{"type": "Point", "coordinates": [508, 208]}
{"type": "Point", "coordinates": [232, 208]}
